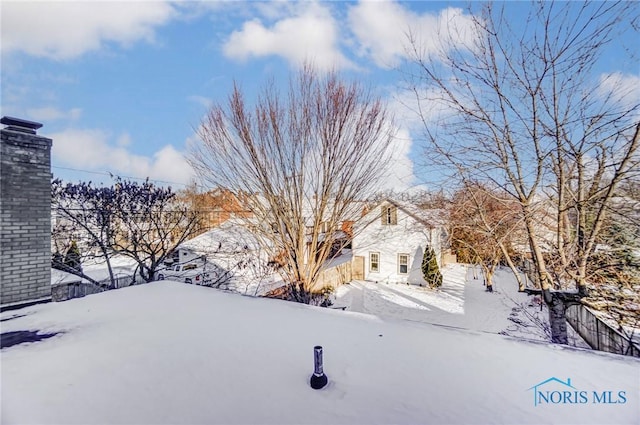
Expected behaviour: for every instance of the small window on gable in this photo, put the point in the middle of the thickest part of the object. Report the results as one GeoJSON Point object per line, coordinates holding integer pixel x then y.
{"type": "Point", "coordinates": [403, 263]}
{"type": "Point", "coordinates": [374, 262]}
{"type": "Point", "coordinates": [389, 215]}
{"type": "Point", "coordinates": [324, 228]}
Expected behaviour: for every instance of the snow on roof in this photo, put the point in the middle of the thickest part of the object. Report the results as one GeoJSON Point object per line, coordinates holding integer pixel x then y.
{"type": "Point", "coordinates": [58, 277]}
{"type": "Point", "coordinates": [432, 217]}
{"type": "Point", "coordinates": [170, 353]}
{"type": "Point", "coordinates": [230, 236]}
{"type": "Point", "coordinates": [429, 217]}
{"type": "Point", "coordinates": [352, 211]}
{"type": "Point", "coordinates": [96, 268]}
{"type": "Point", "coordinates": [346, 256]}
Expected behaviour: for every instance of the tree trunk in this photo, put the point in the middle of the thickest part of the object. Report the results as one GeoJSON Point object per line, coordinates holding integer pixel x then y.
{"type": "Point", "coordinates": [536, 251]}
{"type": "Point", "coordinates": [557, 318]}
{"type": "Point", "coordinates": [490, 272]}
{"type": "Point", "coordinates": [556, 306]}
{"type": "Point", "coordinates": [112, 282]}
{"type": "Point", "coordinates": [514, 269]}
{"type": "Point", "coordinates": [581, 278]}
{"type": "Point", "coordinates": [489, 280]}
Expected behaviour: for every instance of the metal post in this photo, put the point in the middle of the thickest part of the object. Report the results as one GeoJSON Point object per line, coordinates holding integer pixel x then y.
{"type": "Point", "coordinates": [318, 379]}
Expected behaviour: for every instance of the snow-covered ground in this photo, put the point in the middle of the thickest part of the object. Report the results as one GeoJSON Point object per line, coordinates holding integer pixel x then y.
{"type": "Point", "coordinates": [171, 353]}
{"type": "Point", "coordinates": [96, 268]}
{"type": "Point", "coordinates": [253, 284]}
{"type": "Point", "coordinates": [461, 302]}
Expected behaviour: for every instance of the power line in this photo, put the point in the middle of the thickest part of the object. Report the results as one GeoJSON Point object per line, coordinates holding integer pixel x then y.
{"type": "Point", "coordinates": [110, 174]}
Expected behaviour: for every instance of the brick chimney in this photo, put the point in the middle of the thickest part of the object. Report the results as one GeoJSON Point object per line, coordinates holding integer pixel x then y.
{"type": "Point", "coordinates": [25, 214]}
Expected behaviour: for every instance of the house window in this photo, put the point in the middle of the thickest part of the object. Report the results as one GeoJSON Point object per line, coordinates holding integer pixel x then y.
{"type": "Point", "coordinates": [403, 263]}
{"type": "Point", "coordinates": [324, 227]}
{"type": "Point", "coordinates": [374, 262]}
{"type": "Point", "coordinates": [389, 215]}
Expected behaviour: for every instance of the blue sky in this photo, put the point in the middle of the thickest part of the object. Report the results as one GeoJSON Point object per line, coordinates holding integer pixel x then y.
{"type": "Point", "coordinates": [120, 86]}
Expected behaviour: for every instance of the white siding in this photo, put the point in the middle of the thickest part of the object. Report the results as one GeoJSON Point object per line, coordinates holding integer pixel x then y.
{"type": "Point", "coordinates": [409, 236]}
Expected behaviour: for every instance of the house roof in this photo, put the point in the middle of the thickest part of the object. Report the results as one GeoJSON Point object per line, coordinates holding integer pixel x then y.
{"type": "Point", "coordinates": [231, 236]}
{"type": "Point", "coordinates": [366, 358]}
{"type": "Point", "coordinates": [96, 268]}
{"type": "Point", "coordinates": [352, 212]}
{"type": "Point", "coordinates": [59, 277]}
{"type": "Point", "coordinates": [429, 217]}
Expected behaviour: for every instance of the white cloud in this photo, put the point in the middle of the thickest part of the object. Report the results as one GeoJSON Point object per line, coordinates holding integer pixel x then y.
{"type": "Point", "coordinates": [275, 9]}
{"type": "Point", "coordinates": [382, 29]}
{"type": "Point", "coordinates": [311, 34]}
{"type": "Point", "coordinates": [623, 89]}
{"type": "Point", "coordinates": [400, 174]}
{"type": "Point", "coordinates": [50, 113]}
{"type": "Point", "coordinates": [64, 30]}
{"type": "Point", "coordinates": [414, 111]}
{"type": "Point", "coordinates": [92, 150]}
{"type": "Point", "coordinates": [406, 109]}
{"type": "Point", "coordinates": [205, 102]}
{"type": "Point", "coordinates": [124, 140]}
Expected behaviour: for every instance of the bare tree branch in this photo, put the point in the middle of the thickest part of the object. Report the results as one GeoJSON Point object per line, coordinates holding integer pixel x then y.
{"type": "Point", "coordinates": [300, 161]}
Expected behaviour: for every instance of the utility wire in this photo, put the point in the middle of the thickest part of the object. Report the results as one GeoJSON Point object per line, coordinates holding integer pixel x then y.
{"type": "Point", "coordinates": [107, 173]}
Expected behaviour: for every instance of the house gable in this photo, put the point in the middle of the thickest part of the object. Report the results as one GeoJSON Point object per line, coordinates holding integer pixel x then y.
{"type": "Point", "coordinates": [391, 239]}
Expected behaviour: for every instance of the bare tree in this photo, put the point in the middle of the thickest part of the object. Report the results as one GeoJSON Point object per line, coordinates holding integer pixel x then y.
{"type": "Point", "coordinates": [138, 220]}
{"type": "Point", "coordinates": [485, 225]}
{"type": "Point", "coordinates": [299, 160]}
{"type": "Point", "coordinates": [151, 224]}
{"type": "Point", "coordinates": [87, 213]}
{"type": "Point", "coordinates": [526, 112]}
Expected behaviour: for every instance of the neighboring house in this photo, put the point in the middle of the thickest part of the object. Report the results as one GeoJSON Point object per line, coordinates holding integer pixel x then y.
{"type": "Point", "coordinates": [230, 241]}
{"type": "Point", "coordinates": [337, 231]}
{"type": "Point", "coordinates": [217, 206]}
{"type": "Point", "coordinates": [341, 234]}
{"type": "Point", "coordinates": [64, 231]}
{"type": "Point", "coordinates": [230, 247]}
{"type": "Point", "coordinates": [390, 239]}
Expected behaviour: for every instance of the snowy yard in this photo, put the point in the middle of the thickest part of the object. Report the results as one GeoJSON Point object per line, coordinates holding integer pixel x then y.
{"type": "Point", "coordinates": [170, 353]}
{"type": "Point", "coordinates": [461, 302]}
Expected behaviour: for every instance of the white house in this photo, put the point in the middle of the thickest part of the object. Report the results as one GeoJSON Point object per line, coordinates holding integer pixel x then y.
{"type": "Point", "coordinates": [389, 242]}
{"type": "Point", "coordinates": [238, 256]}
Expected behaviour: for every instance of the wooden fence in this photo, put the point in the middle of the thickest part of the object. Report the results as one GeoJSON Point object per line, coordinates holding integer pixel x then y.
{"type": "Point", "coordinates": [76, 289]}
{"type": "Point", "coordinates": [598, 334]}
{"type": "Point", "coordinates": [334, 276]}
